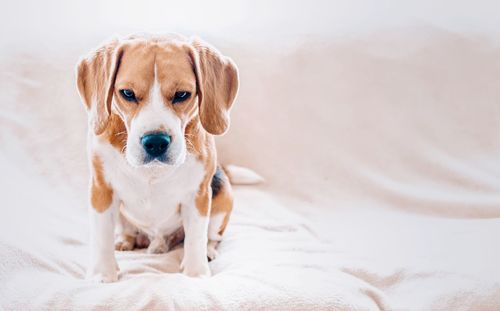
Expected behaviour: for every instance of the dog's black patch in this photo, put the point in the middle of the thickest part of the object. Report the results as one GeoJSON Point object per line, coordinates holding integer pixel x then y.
{"type": "Point", "coordinates": [217, 182]}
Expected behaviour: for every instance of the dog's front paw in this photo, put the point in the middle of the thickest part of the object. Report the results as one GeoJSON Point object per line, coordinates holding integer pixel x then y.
{"type": "Point", "coordinates": [102, 277]}
{"type": "Point", "coordinates": [103, 273]}
{"type": "Point", "coordinates": [197, 269]}
{"type": "Point", "coordinates": [211, 251]}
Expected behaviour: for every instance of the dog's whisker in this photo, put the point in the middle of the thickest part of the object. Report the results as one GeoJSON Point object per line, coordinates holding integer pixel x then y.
{"type": "Point", "coordinates": [124, 146]}
{"type": "Point", "coordinates": [191, 145]}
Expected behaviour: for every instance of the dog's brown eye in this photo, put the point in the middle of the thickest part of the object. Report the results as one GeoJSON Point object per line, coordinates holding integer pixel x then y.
{"type": "Point", "coordinates": [180, 97]}
{"type": "Point", "coordinates": [128, 95]}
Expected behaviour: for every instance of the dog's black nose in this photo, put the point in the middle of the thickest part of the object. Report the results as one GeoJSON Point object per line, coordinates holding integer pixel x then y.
{"type": "Point", "coordinates": [155, 144]}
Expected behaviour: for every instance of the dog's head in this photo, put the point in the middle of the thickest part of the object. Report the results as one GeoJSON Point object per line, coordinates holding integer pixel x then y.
{"type": "Point", "coordinates": [157, 85]}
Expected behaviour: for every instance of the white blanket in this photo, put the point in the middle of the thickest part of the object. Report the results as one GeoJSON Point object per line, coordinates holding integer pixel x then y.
{"type": "Point", "coordinates": [382, 161]}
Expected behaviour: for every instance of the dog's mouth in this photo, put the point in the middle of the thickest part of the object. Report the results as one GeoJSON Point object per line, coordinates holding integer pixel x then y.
{"type": "Point", "coordinates": [146, 156]}
{"type": "Point", "coordinates": [147, 161]}
{"type": "Point", "coordinates": [163, 161]}
{"type": "Point", "coordinates": [156, 163]}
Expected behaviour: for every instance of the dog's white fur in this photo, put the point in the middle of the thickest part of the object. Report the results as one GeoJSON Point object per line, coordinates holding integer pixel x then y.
{"type": "Point", "coordinates": [151, 196]}
{"type": "Point", "coordinates": [151, 118]}
{"type": "Point", "coordinates": [130, 194]}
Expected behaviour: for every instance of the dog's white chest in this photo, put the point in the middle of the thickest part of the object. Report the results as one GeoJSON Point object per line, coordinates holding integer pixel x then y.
{"type": "Point", "coordinates": [152, 196]}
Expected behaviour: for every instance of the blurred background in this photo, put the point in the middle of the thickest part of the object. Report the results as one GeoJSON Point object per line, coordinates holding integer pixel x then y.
{"type": "Point", "coordinates": [338, 98]}
{"type": "Point", "coordinates": [377, 122]}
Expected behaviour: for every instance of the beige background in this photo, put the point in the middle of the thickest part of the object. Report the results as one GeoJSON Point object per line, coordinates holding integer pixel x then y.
{"type": "Point", "coordinates": [375, 125]}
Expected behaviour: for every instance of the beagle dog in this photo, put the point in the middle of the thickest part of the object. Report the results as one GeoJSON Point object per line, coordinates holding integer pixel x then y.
{"type": "Point", "coordinates": [154, 104]}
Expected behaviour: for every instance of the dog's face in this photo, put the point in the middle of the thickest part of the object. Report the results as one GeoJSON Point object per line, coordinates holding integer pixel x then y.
{"type": "Point", "coordinates": [155, 95]}
{"type": "Point", "coordinates": [157, 86]}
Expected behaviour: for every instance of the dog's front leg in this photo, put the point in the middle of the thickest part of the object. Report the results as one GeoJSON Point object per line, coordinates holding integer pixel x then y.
{"type": "Point", "coordinates": [103, 267]}
{"type": "Point", "coordinates": [195, 221]}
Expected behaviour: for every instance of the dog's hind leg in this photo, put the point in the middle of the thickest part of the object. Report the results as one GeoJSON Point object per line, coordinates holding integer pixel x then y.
{"type": "Point", "coordinates": [125, 234]}
{"type": "Point", "coordinates": [222, 206]}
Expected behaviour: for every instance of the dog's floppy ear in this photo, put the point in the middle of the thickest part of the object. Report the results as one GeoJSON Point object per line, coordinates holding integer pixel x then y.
{"type": "Point", "coordinates": [217, 86]}
{"type": "Point", "coordinates": [96, 76]}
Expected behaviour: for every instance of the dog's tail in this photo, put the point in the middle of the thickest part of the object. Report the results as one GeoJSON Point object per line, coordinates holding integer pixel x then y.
{"type": "Point", "coordinates": [242, 176]}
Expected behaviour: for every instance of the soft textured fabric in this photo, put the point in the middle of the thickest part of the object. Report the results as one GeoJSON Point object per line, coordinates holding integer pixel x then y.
{"type": "Point", "coordinates": [382, 160]}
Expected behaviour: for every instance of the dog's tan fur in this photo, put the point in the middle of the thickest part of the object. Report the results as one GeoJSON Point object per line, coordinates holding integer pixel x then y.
{"type": "Point", "coordinates": [178, 64]}
{"type": "Point", "coordinates": [101, 194]}
{"type": "Point", "coordinates": [135, 58]}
